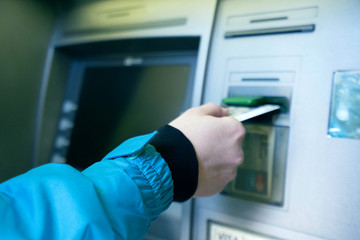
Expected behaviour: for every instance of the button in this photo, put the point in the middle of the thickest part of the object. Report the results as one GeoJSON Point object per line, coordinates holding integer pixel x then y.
{"type": "Point", "coordinates": [57, 158]}
{"type": "Point", "coordinates": [65, 124]}
{"type": "Point", "coordinates": [69, 107]}
{"type": "Point", "coordinates": [61, 142]}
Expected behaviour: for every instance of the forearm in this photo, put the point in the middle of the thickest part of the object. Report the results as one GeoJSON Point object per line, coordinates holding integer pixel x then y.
{"type": "Point", "coordinates": [134, 186]}
{"type": "Point", "coordinates": [118, 196]}
{"type": "Point", "coordinates": [181, 158]}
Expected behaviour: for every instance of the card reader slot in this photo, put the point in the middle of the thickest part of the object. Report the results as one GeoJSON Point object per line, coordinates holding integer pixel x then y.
{"type": "Point", "coordinates": [244, 108]}
{"type": "Point", "coordinates": [283, 102]}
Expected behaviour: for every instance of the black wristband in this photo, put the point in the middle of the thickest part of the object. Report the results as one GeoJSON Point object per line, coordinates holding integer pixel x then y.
{"type": "Point", "coordinates": [180, 155]}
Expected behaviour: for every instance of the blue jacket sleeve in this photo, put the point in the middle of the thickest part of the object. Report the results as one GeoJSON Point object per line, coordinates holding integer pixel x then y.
{"type": "Point", "coordinates": [116, 198]}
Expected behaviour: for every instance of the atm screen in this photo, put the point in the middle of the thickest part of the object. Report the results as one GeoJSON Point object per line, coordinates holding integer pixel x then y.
{"type": "Point", "coordinates": [115, 103]}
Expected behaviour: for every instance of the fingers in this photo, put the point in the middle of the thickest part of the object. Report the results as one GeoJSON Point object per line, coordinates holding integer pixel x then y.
{"type": "Point", "coordinates": [213, 109]}
{"type": "Point", "coordinates": [217, 141]}
{"type": "Point", "coordinates": [236, 127]}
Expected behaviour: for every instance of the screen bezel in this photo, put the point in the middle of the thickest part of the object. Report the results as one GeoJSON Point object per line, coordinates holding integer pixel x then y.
{"type": "Point", "coordinates": [75, 83]}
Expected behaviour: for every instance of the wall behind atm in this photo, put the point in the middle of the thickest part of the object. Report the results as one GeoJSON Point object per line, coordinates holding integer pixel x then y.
{"type": "Point", "coordinates": [25, 30]}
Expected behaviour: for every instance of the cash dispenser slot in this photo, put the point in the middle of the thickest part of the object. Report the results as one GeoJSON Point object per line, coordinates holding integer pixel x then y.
{"type": "Point", "coordinates": [270, 94]}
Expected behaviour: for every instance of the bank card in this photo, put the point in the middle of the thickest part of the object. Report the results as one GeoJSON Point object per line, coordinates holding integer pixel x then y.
{"type": "Point", "coordinates": [242, 113]}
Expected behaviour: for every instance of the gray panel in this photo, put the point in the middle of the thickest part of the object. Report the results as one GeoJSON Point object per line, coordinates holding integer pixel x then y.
{"type": "Point", "coordinates": [26, 28]}
{"type": "Point", "coordinates": [321, 197]}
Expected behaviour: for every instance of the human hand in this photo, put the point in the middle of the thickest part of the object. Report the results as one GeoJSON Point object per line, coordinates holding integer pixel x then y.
{"type": "Point", "coordinates": [217, 141]}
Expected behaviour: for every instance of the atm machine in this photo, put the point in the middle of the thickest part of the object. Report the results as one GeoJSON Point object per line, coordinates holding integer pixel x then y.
{"type": "Point", "coordinates": [301, 168]}
{"type": "Point", "coordinates": [299, 179]}
{"type": "Point", "coordinates": [119, 69]}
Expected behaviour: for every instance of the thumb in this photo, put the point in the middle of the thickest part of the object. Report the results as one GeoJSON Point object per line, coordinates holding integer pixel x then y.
{"type": "Point", "coordinates": [213, 109]}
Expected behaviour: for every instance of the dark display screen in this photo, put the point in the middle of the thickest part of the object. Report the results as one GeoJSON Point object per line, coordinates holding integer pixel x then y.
{"type": "Point", "coordinates": [116, 103]}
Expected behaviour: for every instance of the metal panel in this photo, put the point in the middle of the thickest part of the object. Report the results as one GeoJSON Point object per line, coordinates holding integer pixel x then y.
{"type": "Point", "coordinates": [321, 197]}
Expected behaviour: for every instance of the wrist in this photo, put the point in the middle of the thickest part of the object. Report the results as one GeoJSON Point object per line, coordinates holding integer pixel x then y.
{"type": "Point", "coordinates": [180, 155]}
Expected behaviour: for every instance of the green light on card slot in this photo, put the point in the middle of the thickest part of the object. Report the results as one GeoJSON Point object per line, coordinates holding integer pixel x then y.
{"type": "Point", "coordinates": [243, 100]}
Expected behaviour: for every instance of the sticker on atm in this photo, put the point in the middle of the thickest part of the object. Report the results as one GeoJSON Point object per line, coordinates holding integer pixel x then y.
{"type": "Point", "coordinates": [221, 232]}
